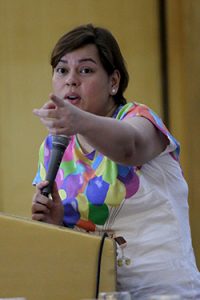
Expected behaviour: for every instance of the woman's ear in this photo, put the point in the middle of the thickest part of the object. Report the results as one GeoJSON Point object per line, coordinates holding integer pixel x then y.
{"type": "Point", "coordinates": [114, 82]}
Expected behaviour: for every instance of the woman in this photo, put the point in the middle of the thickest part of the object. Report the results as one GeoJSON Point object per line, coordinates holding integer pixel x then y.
{"type": "Point", "coordinates": [120, 173]}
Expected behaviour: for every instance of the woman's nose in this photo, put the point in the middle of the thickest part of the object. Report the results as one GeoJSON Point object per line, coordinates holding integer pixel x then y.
{"type": "Point", "coordinates": [72, 79]}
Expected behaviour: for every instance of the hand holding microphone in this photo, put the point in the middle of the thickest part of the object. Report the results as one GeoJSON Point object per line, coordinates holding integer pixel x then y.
{"type": "Point", "coordinates": [52, 115]}
{"type": "Point", "coordinates": [44, 209]}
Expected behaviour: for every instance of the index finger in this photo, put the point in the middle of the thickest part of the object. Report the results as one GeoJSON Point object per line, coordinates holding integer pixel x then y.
{"type": "Point", "coordinates": [58, 101]}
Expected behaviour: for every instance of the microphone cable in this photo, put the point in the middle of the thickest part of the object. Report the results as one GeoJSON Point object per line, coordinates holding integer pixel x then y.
{"type": "Point", "coordinates": [105, 235]}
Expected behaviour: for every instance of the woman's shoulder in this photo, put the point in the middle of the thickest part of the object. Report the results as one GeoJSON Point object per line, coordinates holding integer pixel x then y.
{"type": "Point", "coordinates": [131, 108]}
{"type": "Point", "coordinates": [136, 109]}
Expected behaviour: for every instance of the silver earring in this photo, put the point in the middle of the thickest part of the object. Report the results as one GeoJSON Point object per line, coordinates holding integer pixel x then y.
{"type": "Point", "coordinates": [113, 91]}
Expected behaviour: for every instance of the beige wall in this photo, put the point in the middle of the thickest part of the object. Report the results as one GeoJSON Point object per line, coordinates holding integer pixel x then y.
{"type": "Point", "coordinates": [28, 31]}
{"type": "Point", "coordinates": [184, 72]}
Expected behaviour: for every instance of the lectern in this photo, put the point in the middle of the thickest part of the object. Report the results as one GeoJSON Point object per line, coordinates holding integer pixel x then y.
{"type": "Point", "coordinates": [45, 262]}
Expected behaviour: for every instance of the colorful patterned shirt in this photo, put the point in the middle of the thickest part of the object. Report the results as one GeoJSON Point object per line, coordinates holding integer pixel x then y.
{"type": "Point", "coordinates": [145, 205]}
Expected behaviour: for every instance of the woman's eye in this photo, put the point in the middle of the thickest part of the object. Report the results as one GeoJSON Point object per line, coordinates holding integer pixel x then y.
{"type": "Point", "coordinates": [86, 70]}
{"type": "Point", "coordinates": [61, 70]}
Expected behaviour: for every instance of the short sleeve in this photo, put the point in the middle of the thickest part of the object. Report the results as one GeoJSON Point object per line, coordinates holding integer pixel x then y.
{"type": "Point", "coordinates": [135, 109]}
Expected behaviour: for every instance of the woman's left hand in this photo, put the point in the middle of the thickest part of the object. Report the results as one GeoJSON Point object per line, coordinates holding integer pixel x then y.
{"type": "Point", "coordinates": [59, 116]}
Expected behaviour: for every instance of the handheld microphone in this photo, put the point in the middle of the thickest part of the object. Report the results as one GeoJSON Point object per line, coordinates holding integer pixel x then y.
{"type": "Point", "coordinates": [59, 144]}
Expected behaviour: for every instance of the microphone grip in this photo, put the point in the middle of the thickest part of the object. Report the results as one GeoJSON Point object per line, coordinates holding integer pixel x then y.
{"type": "Point", "coordinates": [54, 163]}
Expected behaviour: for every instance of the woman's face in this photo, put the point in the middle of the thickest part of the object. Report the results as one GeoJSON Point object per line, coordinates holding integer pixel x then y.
{"type": "Point", "coordinates": [80, 78]}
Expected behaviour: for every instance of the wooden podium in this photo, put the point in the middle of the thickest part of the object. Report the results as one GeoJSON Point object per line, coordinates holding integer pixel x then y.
{"type": "Point", "coordinates": [45, 262]}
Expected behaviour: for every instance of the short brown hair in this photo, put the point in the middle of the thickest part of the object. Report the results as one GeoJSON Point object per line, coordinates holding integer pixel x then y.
{"type": "Point", "coordinates": [108, 49]}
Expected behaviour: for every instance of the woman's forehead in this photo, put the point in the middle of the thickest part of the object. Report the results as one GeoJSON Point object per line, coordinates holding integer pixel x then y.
{"type": "Point", "coordinates": [87, 53]}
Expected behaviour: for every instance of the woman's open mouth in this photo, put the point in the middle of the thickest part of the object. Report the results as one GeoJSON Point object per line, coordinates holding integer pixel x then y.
{"type": "Point", "coordinates": [73, 98]}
